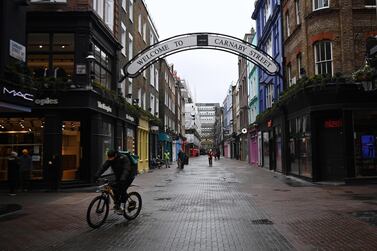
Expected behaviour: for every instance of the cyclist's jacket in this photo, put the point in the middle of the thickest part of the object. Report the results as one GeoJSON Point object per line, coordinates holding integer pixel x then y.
{"type": "Point", "coordinates": [121, 166]}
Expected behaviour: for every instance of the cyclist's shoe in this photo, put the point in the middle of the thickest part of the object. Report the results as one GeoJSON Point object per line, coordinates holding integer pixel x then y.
{"type": "Point", "coordinates": [131, 206]}
{"type": "Point", "coordinates": [118, 209]}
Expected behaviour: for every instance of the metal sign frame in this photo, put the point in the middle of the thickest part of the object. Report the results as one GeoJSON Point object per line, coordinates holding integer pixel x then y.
{"type": "Point", "coordinates": [201, 40]}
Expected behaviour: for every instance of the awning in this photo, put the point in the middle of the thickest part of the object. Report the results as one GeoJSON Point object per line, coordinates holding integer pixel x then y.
{"type": "Point", "coordinates": [164, 137]}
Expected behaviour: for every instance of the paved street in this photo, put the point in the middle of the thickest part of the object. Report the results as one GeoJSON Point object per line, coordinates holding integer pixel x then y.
{"type": "Point", "coordinates": [230, 206]}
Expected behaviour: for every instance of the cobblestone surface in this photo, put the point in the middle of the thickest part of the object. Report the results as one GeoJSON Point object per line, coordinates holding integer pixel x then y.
{"type": "Point", "coordinates": [230, 206]}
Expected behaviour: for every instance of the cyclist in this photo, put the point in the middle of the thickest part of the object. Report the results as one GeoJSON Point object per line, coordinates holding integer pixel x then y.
{"type": "Point", "coordinates": [124, 175]}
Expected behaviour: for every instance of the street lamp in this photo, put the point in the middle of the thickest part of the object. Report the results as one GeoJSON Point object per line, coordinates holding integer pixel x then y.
{"type": "Point", "coordinates": [90, 59]}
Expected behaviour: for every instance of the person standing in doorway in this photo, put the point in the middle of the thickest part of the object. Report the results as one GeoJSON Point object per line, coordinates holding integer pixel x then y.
{"type": "Point", "coordinates": [167, 158]}
{"type": "Point", "coordinates": [26, 166]}
{"type": "Point", "coordinates": [13, 173]}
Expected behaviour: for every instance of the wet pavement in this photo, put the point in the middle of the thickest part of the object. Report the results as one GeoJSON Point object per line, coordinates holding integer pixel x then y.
{"type": "Point", "coordinates": [229, 206]}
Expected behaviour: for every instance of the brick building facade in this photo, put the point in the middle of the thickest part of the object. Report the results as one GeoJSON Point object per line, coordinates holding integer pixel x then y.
{"type": "Point", "coordinates": [327, 132]}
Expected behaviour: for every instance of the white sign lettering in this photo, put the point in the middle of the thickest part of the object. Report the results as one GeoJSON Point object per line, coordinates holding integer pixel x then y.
{"type": "Point", "coordinates": [130, 118]}
{"type": "Point", "coordinates": [14, 93]}
{"type": "Point", "coordinates": [104, 107]}
{"type": "Point", "coordinates": [17, 50]}
{"type": "Point", "coordinates": [46, 101]}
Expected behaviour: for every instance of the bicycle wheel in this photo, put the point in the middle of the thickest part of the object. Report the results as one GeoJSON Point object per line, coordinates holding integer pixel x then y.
{"type": "Point", "coordinates": [98, 211]}
{"type": "Point", "coordinates": [133, 206]}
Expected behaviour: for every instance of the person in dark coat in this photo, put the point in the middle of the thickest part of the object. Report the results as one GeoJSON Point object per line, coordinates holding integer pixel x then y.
{"type": "Point", "coordinates": [26, 166]}
{"type": "Point", "coordinates": [181, 159]}
{"type": "Point", "coordinates": [124, 175]}
{"type": "Point", "coordinates": [13, 173]}
{"type": "Point", "coordinates": [54, 172]}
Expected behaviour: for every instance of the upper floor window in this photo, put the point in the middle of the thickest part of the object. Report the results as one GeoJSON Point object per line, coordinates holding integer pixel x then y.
{"type": "Point", "coordinates": [140, 25]}
{"type": "Point", "coordinates": [48, 1]}
{"type": "Point", "coordinates": [131, 10]}
{"type": "Point", "coordinates": [267, 10]}
{"type": "Point", "coordinates": [288, 30]}
{"type": "Point", "coordinates": [370, 3]}
{"type": "Point", "coordinates": [323, 57]}
{"type": "Point", "coordinates": [130, 46]}
{"type": "Point", "coordinates": [102, 67]}
{"type": "Point", "coordinates": [289, 75]}
{"type": "Point", "coordinates": [145, 32]}
{"type": "Point", "coordinates": [105, 9]}
{"type": "Point", "coordinates": [124, 5]}
{"type": "Point", "coordinates": [297, 8]}
{"type": "Point", "coordinates": [51, 55]}
{"type": "Point", "coordinates": [320, 4]}
{"type": "Point", "coordinates": [299, 65]}
{"type": "Point", "coordinates": [269, 46]}
{"type": "Point", "coordinates": [123, 38]}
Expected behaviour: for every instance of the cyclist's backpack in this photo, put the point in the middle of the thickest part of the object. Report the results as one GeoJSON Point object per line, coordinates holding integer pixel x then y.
{"type": "Point", "coordinates": [133, 160]}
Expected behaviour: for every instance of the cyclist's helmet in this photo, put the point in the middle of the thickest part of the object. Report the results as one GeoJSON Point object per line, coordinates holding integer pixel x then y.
{"type": "Point", "coordinates": [111, 153]}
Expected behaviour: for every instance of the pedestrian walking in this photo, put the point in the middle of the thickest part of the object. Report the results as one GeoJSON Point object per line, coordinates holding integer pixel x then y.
{"type": "Point", "coordinates": [26, 167]}
{"type": "Point", "coordinates": [210, 156]}
{"type": "Point", "coordinates": [13, 173]}
{"type": "Point", "coordinates": [181, 159]}
{"type": "Point", "coordinates": [167, 158]}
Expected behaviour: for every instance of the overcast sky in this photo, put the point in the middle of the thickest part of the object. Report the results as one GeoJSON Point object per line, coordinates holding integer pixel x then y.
{"type": "Point", "coordinates": [208, 72]}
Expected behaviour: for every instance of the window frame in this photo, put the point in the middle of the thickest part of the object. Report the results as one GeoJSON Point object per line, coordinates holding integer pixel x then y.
{"type": "Point", "coordinates": [323, 7]}
{"type": "Point", "coordinates": [317, 62]}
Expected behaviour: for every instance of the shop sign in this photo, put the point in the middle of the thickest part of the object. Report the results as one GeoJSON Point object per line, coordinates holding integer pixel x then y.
{"type": "Point", "coordinates": [154, 128]}
{"type": "Point", "coordinates": [80, 69]}
{"type": "Point", "coordinates": [15, 93]}
{"type": "Point", "coordinates": [104, 106]}
{"type": "Point", "coordinates": [47, 101]}
{"type": "Point", "coordinates": [130, 118]}
{"type": "Point", "coordinates": [269, 123]}
{"type": "Point", "coordinates": [331, 123]}
{"type": "Point", "coordinates": [17, 50]}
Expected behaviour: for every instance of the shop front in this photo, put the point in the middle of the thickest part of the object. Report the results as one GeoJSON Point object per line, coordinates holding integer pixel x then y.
{"type": "Point", "coordinates": [143, 145]}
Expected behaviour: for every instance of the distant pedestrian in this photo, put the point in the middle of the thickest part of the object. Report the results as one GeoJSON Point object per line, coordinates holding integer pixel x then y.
{"type": "Point", "coordinates": [26, 167]}
{"type": "Point", "coordinates": [210, 156]}
{"type": "Point", "coordinates": [218, 154]}
{"type": "Point", "coordinates": [181, 159]}
{"type": "Point", "coordinates": [13, 173]}
{"type": "Point", "coordinates": [167, 158]}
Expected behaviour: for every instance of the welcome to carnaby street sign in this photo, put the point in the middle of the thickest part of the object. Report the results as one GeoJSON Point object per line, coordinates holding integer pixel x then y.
{"type": "Point", "coordinates": [199, 41]}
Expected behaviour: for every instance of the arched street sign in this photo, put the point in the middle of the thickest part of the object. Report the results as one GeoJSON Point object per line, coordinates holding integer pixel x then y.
{"type": "Point", "coordinates": [199, 41]}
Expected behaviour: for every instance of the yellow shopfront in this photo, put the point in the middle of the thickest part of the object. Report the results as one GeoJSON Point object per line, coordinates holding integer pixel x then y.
{"type": "Point", "coordinates": [143, 145]}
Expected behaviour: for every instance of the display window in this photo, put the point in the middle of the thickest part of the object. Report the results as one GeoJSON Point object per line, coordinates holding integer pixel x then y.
{"type": "Point", "coordinates": [17, 134]}
{"type": "Point", "coordinates": [365, 142]}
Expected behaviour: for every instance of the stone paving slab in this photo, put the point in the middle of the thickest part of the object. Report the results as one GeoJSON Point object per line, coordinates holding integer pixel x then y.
{"type": "Point", "coordinates": [230, 206]}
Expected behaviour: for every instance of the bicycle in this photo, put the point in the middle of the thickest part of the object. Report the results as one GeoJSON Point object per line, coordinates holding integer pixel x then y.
{"type": "Point", "coordinates": [98, 209]}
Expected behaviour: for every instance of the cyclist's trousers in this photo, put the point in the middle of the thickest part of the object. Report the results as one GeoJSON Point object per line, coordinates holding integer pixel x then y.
{"type": "Point", "coordinates": [120, 190]}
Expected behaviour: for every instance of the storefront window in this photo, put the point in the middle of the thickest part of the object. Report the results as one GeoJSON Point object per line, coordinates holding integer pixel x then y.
{"type": "Point", "coordinates": [71, 148]}
{"type": "Point", "coordinates": [365, 139]}
{"type": "Point", "coordinates": [17, 134]}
